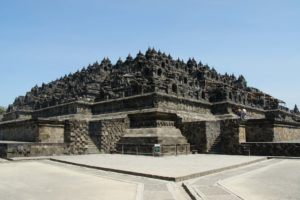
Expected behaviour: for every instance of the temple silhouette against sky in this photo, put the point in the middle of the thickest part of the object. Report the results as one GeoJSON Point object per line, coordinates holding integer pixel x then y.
{"type": "Point", "coordinates": [149, 100]}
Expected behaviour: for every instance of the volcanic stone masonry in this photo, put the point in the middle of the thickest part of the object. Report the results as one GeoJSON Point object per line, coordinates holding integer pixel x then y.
{"type": "Point", "coordinates": [146, 101]}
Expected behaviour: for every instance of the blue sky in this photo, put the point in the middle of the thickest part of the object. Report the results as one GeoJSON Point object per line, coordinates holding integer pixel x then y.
{"type": "Point", "coordinates": [41, 40]}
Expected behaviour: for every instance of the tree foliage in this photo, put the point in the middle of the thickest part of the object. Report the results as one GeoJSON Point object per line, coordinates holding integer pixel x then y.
{"type": "Point", "coordinates": [2, 110]}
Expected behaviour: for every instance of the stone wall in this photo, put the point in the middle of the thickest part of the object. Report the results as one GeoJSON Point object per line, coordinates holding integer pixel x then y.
{"type": "Point", "coordinates": [124, 104]}
{"type": "Point", "coordinates": [152, 100]}
{"type": "Point", "coordinates": [230, 136]}
{"type": "Point", "coordinates": [44, 131]}
{"type": "Point", "coordinates": [174, 103]}
{"type": "Point", "coordinates": [49, 149]}
{"type": "Point", "coordinates": [111, 132]}
{"type": "Point", "coordinates": [3, 150]}
{"type": "Point", "coordinates": [25, 131]}
{"type": "Point", "coordinates": [31, 149]}
{"type": "Point", "coordinates": [16, 115]}
{"type": "Point", "coordinates": [259, 131]}
{"type": "Point", "coordinates": [273, 149]}
{"type": "Point", "coordinates": [74, 108]}
{"type": "Point", "coordinates": [76, 136]}
{"type": "Point", "coordinates": [63, 109]}
{"type": "Point", "coordinates": [227, 107]}
{"type": "Point", "coordinates": [286, 133]}
{"type": "Point", "coordinates": [51, 133]}
{"type": "Point", "coordinates": [10, 116]}
{"type": "Point", "coordinates": [150, 128]}
{"type": "Point", "coordinates": [242, 133]}
{"type": "Point", "coordinates": [252, 112]}
{"type": "Point", "coordinates": [265, 130]}
{"type": "Point", "coordinates": [94, 136]}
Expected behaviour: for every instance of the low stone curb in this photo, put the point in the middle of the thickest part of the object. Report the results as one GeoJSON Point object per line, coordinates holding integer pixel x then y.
{"type": "Point", "coordinates": [117, 170]}
{"type": "Point", "coordinates": [282, 157]}
{"type": "Point", "coordinates": [29, 158]}
{"type": "Point", "coordinates": [213, 171]}
{"type": "Point", "coordinates": [167, 178]}
{"type": "Point", "coordinates": [190, 191]}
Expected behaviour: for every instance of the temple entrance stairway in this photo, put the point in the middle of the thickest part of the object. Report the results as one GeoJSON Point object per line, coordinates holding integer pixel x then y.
{"type": "Point", "coordinates": [93, 146]}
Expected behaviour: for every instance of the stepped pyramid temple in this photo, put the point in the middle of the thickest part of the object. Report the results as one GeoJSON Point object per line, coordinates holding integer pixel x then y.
{"type": "Point", "coordinates": [148, 105]}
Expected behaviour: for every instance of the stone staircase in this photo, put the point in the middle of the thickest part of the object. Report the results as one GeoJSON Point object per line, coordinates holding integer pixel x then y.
{"type": "Point", "coordinates": [215, 147]}
{"type": "Point", "coordinates": [92, 148]}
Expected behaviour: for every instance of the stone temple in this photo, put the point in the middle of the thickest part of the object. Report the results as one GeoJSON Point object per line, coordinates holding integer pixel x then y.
{"type": "Point", "coordinates": [151, 100]}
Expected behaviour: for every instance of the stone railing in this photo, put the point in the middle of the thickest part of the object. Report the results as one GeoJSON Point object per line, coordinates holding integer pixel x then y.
{"type": "Point", "coordinates": [149, 149]}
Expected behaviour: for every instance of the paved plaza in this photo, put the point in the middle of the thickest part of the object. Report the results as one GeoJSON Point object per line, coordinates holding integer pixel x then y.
{"type": "Point", "coordinates": [36, 181]}
{"type": "Point", "coordinates": [45, 179]}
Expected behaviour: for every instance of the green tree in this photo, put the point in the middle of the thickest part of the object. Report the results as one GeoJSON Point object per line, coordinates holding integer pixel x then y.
{"type": "Point", "coordinates": [2, 110]}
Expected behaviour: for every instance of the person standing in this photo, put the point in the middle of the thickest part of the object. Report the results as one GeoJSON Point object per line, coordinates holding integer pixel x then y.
{"type": "Point", "coordinates": [243, 114]}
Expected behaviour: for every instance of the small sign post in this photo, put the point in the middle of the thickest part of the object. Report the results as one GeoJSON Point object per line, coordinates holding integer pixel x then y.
{"type": "Point", "coordinates": [156, 150]}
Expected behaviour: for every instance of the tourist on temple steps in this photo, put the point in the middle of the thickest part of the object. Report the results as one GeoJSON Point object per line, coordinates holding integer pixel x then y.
{"type": "Point", "coordinates": [243, 114]}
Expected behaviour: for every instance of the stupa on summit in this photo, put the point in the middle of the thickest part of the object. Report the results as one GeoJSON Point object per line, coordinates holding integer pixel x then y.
{"type": "Point", "coordinates": [147, 101]}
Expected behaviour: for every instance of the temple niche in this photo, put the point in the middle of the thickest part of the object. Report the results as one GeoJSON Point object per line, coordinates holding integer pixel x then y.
{"type": "Point", "coordinates": [142, 101]}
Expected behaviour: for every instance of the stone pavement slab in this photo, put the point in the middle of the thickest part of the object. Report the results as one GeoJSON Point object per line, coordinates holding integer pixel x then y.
{"type": "Point", "coordinates": [174, 168]}
{"type": "Point", "coordinates": [269, 179]}
{"type": "Point", "coordinates": [150, 189]}
{"type": "Point", "coordinates": [274, 182]}
{"type": "Point", "coordinates": [40, 181]}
